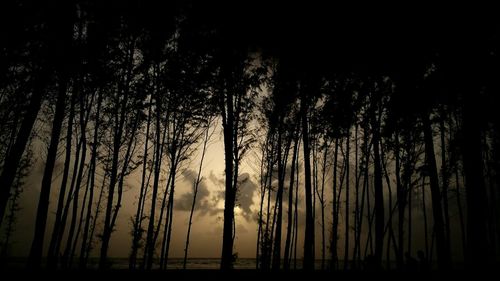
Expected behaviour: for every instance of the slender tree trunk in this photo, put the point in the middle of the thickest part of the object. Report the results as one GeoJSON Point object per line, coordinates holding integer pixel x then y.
{"type": "Point", "coordinates": [169, 216]}
{"type": "Point", "coordinates": [357, 174]}
{"type": "Point", "coordinates": [424, 211]}
{"type": "Point", "coordinates": [322, 201]}
{"type": "Point", "coordinates": [43, 202]}
{"type": "Point", "coordinates": [445, 178]}
{"type": "Point", "coordinates": [296, 215]}
{"type": "Point", "coordinates": [335, 215]}
{"type": "Point", "coordinates": [379, 196]}
{"type": "Point", "coordinates": [347, 199]}
{"type": "Point", "coordinates": [96, 218]}
{"type": "Point", "coordinates": [282, 161]}
{"type": "Point", "coordinates": [263, 182]}
{"type": "Point", "coordinates": [267, 241]}
{"type": "Point", "coordinates": [309, 228]}
{"type": "Point", "coordinates": [463, 230]}
{"type": "Point", "coordinates": [364, 194]}
{"type": "Point", "coordinates": [401, 195]}
{"type": "Point", "coordinates": [478, 254]}
{"type": "Point", "coordinates": [391, 237]}
{"type": "Point", "coordinates": [410, 217]}
{"type": "Point", "coordinates": [60, 219]}
{"type": "Point", "coordinates": [13, 159]}
{"type": "Point", "coordinates": [150, 245]}
{"type": "Point", "coordinates": [288, 240]}
{"type": "Point", "coordinates": [195, 192]}
{"type": "Point", "coordinates": [443, 253]}
{"type": "Point", "coordinates": [84, 117]}
{"type": "Point", "coordinates": [229, 136]}
{"type": "Point", "coordinates": [113, 178]}
{"type": "Point", "coordinates": [76, 184]}
{"type": "Point", "coordinates": [137, 227]}
{"type": "Point", "coordinates": [92, 171]}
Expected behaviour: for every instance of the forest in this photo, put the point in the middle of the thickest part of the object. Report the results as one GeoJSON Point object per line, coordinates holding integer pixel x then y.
{"type": "Point", "coordinates": [370, 135]}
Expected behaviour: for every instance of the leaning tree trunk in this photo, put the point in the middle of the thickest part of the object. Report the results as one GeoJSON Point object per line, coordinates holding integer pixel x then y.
{"type": "Point", "coordinates": [59, 223]}
{"type": "Point", "coordinates": [43, 201]}
{"type": "Point", "coordinates": [13, 159]}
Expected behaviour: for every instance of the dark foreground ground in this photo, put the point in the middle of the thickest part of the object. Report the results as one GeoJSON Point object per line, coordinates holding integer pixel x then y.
{"type": "Point", "coordinates": [206, 275]}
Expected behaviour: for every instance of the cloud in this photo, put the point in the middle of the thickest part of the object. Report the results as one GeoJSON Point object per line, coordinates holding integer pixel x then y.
{"type": "Point", "coordinates": [209, 201]}
{"type": "Point", "coordinates": [245, 193]}
{"type": "Point", "coordinates": [185, 200]}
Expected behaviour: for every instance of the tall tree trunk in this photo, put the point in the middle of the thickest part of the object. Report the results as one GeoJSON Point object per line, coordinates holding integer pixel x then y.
{"type": "Point", "coordinates": [401, 201]}
{"type": "Point", "coordinates": [322, 201]}
{"type": "Point", "coordinates": [379, 195]}
{"type": "Point", "coordinates": [150, 245]}
{"type": "Point", "coordinates": [282, 161]}
{"type": "Point", "coordinates": [357, 174]}
{"type": "Point", "coordinates": [60, 219]}
{"type": "Point", "coordinates": [229, 136]}
{"type": "Point", "coordinates": [76, 184]}
{"type": "Point", "coordinates": [478, 252]}
{"type": "Point", "coordinates": [165, 248]}
{"type": "Point", "coordinates": [113, 179]}
{"type": "Point", "coordinates": [347, 191]}
{"type": "Point", "coordinates": [335, 215]}
{"type": "Point", "coordinates": [92, 171]}
{"type": "Point", "coordinates": [195, 192]}
{"type": "Point", "coordinates": [296, 215]}
{"type": "Point", "coordinates": [443, 253]}
{"type": "Point", "coordinates": [267, 241]}
{"type": "Point", "coordinates": [263, 182]}
{"type": "Point", "coordinates": [288, 240]}
{"type": "Point", "coordinates": [364, 193]}
{"type": "Point", "coordinates": [137, 227]}
{"type": "Point", "coordinates": [445, 179]}
{"type": "Point", "coordinates": [309, 228]}
{"type": "Point", "coordinates": [410, 216]}
{"type": "Point", "coordinates": [84, 117]}
{"type": "Point", "coordinates": [424, 211]}
{"type": "Point", "coordinates": [43, 201]}
{"type": "Point", "coordinates": [13, 159]}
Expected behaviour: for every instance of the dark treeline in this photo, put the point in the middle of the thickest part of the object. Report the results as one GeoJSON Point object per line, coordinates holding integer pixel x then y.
{"type": "Point", "coordinates": [381, 123]}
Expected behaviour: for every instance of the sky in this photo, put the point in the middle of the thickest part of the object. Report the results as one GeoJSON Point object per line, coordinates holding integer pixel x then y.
{"type": "Point", "coordinates": [206, 232]}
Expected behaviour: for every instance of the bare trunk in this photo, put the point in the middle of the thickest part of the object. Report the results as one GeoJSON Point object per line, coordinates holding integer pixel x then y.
{"type": "Point", "coordinates": [13, 159]}
{"type": "Point", "coordinates": [43, 202]}
{"type": "Point", "coordinates": [60, 219]}
{"type": "Point", "coordinates": [195, 192]}
{"type": "Point", "coordinates": [309, 228]}
{"type": "Point", "coordinates": [379, 196]}
{"type": "Point", "coordinates": [230, 192]}
{"type": "Point", "coordinates": [443, 253]}
{"type": "Point", "coordinates": [335, 215]}
{"type": "Point", "coordinates": [137, 227]}
{"type": "Point", "coordinates": [288, 240]}
{"type": "Point", "coordinates": [91, 184]}
{"type": "Point", "coordinates": [347, 191]}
